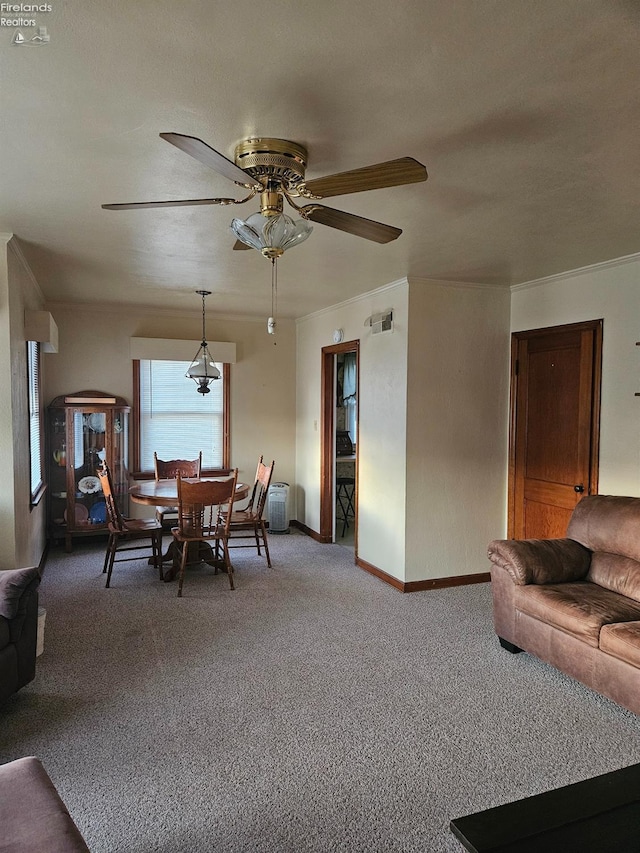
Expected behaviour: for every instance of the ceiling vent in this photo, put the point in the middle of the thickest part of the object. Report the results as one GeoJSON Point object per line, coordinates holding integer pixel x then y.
{"type": "Point", "coordinates": [381, 322]}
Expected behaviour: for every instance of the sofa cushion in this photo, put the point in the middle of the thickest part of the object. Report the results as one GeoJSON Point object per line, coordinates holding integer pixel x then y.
{"type": "Point", "coordinates": [579, 609]}
{"type": "Point", "coordinates": [619, 574]}
{"type": "Point", "coordinates": [607, 523]}
{"type": "Point", "coordinates": [622, 640]}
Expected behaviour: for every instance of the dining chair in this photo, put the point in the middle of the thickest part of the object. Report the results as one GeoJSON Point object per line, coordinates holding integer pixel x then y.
{"type": "Point", "coordinates": [169, 470]}
{"type": "Point", "coordinates": [201, 522]}
{"type": "Point", "coordinates": [124, 530]}
{"type": "Point", "coordinates": [249, 523]}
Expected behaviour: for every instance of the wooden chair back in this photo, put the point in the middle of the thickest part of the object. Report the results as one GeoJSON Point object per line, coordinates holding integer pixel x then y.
{"type": "Point", "coordinates": [169, 470]}
{"type": "Point", "coordinates": [114, 515]}
{"type": "Point", "coordinates": [199, 506]}
{"type": "Point", "coordinates": [261, 488]}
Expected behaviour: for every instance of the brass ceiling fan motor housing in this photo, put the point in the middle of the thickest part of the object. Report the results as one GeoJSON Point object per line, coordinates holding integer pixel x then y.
{"type": "Point", "coordinates": [268, 159]}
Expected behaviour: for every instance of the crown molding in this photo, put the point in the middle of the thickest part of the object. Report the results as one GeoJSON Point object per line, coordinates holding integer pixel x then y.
{"type": "Point", "coordinates": [146, 310]}
{"type": "Point", "coordinates": [457, 285]}
{"type": "Point", "coordinates": [602, 265]}
{"type": "Point", "coordinates": [322, 312]}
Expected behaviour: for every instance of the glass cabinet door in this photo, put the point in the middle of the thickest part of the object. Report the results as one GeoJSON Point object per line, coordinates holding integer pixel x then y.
{"type": "Point", "coordinates": [88, 448]}
{"type": "Point", "coordinates": [119, 455]}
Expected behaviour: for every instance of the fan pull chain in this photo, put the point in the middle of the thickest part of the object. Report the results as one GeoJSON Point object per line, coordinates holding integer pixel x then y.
{"type": "Point", "coordinates": [271, 322]}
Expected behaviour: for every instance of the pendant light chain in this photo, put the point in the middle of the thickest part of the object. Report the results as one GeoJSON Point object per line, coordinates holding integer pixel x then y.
{"type": "Point", "coordinates": [271, 322]}
{"type": "Point", "coordinates": [204, 336]}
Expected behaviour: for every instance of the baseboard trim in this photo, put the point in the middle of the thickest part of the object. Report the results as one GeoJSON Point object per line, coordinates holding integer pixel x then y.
{"type": "Point", "coordinates": [441, 583]}
{"type": "Point", "coordinates": [43, 558]}
{"type": "Point", "coordinates": [308, 531]}
{"type": "Point", "coordinates": [411, 586]}
{"type": "Point", "coordinates": [420, 586]}
{"type": "Point", "coordinates": [383, 576]}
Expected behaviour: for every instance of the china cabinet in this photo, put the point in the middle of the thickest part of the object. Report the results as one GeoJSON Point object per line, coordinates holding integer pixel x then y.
{"type": "Point", "coordinates": [85, 429]}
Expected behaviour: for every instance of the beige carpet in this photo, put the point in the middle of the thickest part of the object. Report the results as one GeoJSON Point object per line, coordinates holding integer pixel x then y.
{"type": "Point", "coordinates": [312, 709]}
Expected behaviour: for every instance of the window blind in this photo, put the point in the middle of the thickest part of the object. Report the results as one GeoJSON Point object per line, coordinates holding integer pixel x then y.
{"type": "Point", "coordinates": [175, 421]}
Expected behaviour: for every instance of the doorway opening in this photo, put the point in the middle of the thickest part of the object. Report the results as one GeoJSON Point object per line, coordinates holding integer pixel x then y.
{"type": "Point", "coordinates": [339, 445]}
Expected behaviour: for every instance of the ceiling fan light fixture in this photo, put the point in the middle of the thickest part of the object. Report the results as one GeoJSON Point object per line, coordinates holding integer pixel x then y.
{"type": "Point", "coordinates": [271, 235]}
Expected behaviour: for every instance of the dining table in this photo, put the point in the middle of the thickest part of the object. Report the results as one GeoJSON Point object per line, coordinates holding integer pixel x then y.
{"type": "Point", "coordinates": [165, 493]}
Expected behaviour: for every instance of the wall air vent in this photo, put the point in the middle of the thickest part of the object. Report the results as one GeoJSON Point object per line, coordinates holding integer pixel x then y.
{"type": "Point", "coordinates": [381, 322]}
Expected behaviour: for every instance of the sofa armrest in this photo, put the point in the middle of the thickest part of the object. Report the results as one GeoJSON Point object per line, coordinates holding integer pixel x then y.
{"type": "Point", "coordinates": [16, 586]}
{"type": "Point", "coordinates": [540, 560]}
{"type": "Point", "coordinates": [13, 584]}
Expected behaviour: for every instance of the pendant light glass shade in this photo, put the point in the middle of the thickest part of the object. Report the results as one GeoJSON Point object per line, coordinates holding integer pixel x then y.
{"type": "Point", "coordinates": [202, 369]}
{"type": "Point", "coordinates": [271, 235]}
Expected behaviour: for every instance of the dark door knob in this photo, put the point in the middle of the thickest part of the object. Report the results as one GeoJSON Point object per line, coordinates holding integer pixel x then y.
{"type": "Point", "coordinates": [579, 488]}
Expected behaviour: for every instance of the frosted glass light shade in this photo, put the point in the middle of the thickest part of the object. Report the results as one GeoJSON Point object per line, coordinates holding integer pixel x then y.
{"type": "Point", "coordinates": [203, 370]}
{"type": "Point", "coordinates": [271, 235]}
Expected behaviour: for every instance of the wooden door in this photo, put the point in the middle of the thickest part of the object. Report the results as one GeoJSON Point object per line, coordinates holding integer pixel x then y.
{"type": "Point", "coordinates": [555, 407]}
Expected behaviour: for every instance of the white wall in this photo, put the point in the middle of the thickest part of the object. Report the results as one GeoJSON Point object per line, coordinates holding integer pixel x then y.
{"type": "Point", "coordinates": [382, 427]}
{"type": "Point", "coordinates": [610, 291]}
{"type": "Point", "coordinates": [22, 528]}
{"type": "Point", "coordinates": [457, 425]}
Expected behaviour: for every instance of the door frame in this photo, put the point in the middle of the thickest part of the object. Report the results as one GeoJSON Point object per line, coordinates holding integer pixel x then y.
{"type": "Point", "coordinates": [327, 437]}
{"type": "Point", "coordinates": [596, 384]}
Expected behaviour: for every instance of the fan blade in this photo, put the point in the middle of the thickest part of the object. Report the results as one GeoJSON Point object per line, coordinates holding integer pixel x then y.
{"type": "Point", "coordinates": [240, 245]}
{"type": "Point", "coordinates": [352, 224]}
{"type": "Point", "coordinates": [184, 203]}
{"type": "Point", "coordinates": [393, 173]}
{"type": "Point", "coordinates": [207, 155]}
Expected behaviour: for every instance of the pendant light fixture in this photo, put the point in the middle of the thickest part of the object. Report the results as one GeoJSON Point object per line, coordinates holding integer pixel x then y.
{"type": "Point", "coordinates": [202, 369]}
{"type": "Point", "coordinates": [271, 232]}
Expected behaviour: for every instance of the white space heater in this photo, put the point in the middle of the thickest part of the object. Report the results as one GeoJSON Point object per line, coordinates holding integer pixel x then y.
{"type": "Point", "coordinates": [278, 505]}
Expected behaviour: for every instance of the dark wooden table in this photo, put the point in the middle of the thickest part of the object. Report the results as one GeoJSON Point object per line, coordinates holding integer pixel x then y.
{"type": "Point", "coordinates": [599, 815]}
{"type": "Point", "coordinates": [165, 492]}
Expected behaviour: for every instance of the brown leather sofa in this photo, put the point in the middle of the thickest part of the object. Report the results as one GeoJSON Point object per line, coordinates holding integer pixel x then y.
{"type": "Point", "coordinates": [18, 628]}
{"type": "Point", "coordinates": [575, 602]}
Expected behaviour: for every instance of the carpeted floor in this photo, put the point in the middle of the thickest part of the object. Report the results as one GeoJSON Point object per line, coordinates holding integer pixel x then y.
{"type": "Point", "coordinates": [312, 709]}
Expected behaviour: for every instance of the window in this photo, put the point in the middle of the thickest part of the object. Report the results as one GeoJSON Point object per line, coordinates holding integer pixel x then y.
{"type": "Point", "coordinates": [35, 422]}
{"type": "Point", "coordinates": [176, 422]}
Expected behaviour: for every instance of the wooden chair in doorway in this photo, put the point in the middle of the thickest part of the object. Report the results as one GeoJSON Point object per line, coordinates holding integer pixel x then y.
{"type": "Point", "coordinates": [169, 470]}
{"type": "Point", "coordinates": [124, 530]}
{"type": "Point", "coordinates": [202, 522]}
{"type": "Point", "coordinates": [249, 523]}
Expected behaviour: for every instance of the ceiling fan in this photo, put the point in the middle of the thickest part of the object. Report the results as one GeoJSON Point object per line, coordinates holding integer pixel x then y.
{"type": "Point", "coordinates": [274, 169]}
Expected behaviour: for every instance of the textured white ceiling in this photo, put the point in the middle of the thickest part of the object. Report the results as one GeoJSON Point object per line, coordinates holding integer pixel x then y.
{"type": "Point", "coordinates": [526, 114]}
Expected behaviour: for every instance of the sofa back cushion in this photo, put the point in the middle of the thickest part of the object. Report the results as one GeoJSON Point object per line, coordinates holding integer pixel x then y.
{"type": "Point", "coordinates": [619, 574]}
{"type": "Point", "coordinates": [609, 524]}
